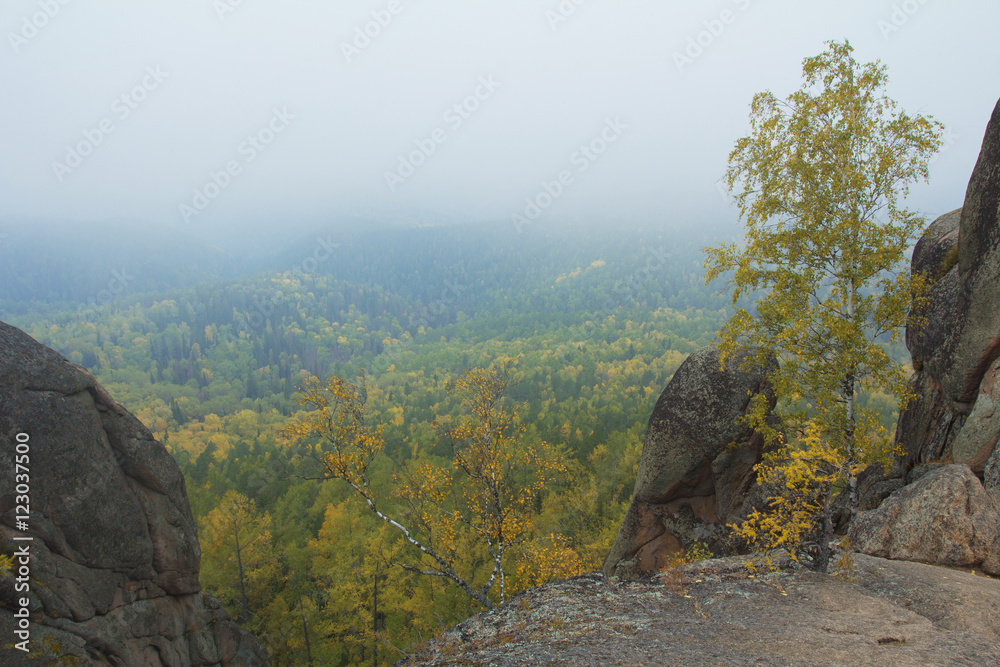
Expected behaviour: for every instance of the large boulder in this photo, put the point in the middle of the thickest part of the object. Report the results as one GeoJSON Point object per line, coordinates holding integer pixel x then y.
{"type": "Point", "coordinates": [944, 517]}
{"type": "Point", "coordinates": [114, 554]}
{"type": "Point", "coordinates": [979, 434]}
{"type": "Point", "coordinates": [697, 462]}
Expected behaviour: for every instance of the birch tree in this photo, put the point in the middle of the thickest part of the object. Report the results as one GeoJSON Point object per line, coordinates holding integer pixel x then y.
{"type": "Point", "coordinates": [820, 184]}
{"type": "Point", "coordinates": [483, 502]}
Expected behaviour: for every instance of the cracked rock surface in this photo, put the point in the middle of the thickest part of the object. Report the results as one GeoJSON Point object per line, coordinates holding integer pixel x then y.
{"type": "Point", "coordinates": [115, 555]}
{"type": "Point", "coordinates": [884, 613]}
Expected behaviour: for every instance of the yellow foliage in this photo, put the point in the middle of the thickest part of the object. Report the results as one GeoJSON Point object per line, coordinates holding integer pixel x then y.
{"type": "Point", "coordinates": [6, 564]}
{"type": "Point", "coordinates": [338, 417]}
{"type": "Point", "coordinates": [546, 560]}
{"type": "Point", "coordinates": [484, 502]}
{"type": "Point", "coordinates": [803, 479]}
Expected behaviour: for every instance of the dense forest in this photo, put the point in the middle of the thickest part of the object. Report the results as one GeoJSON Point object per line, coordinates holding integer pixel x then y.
{"type": "Point", "coordinates": [211, 353]}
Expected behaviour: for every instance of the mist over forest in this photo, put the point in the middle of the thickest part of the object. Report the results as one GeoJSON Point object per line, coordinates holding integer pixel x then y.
{"type": "Point", "coordinates": [230, 212]}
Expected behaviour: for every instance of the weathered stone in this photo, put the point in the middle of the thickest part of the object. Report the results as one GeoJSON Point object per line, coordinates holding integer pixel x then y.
{"type": "Point", "coordinates": [930, 325]}
{"type": "Point", "coordinates": [696, 464]}
{"type": "Point", "coordinates": [979, 434]}
{"type": "Point", "coordinates": [991, 472]}
{"type": "Point", "coordinates": [935, 257]}
{"type": "Point", "coordinates": [945, 517]}
{"type": "Point", "coordinates": [937, 250]}
{"type": "Point", "coordinates": [735, 479]}
{"type": "Point", "coordinates": [716, 613]}
{"type": "Point", "coordinates": [115, 556]}
{"type": "Point", "coordinates": [927, 426]}
{"type": "Point", "coordinates": [976, 333]}
{"type": "Point", "coordinates": [871, 495]}
{"type": "Point", "coordinates": [920, 470]}
{"type": "Point", "coordinates": [953, 332]}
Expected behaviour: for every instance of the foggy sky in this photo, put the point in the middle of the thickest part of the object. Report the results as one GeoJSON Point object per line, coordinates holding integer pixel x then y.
{"type": "Point", "coordinates": [296, 116]}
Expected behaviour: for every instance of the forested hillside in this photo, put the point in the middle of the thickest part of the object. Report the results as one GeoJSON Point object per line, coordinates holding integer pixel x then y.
{"type": "Point", "coordinates": [594, 323]}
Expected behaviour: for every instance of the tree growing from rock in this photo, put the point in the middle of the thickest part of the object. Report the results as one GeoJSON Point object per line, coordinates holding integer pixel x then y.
{"type": "Point", "coordinates": [478, 508]}
{"type": "Point", "coordinates": [820, 183]}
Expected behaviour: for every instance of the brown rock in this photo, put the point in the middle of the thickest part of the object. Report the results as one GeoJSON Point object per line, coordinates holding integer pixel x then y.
{"type": "Point", "coordinates": [697, 462]}
{"type": "Point", "coordinates": [945, 517]}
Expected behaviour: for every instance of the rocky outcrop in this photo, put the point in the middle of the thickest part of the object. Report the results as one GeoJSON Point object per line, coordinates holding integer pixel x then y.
{"type": "Point", "coordinates": [975, 338]}
{"type": "Point", "coordinates": [944, 517]}
{"type": "Point", "coordinates": [697, 462]}
{"type": "Point", "coordinates": [953, 335]}
{"type": "Point", "coordinates": [114, 554]}
{"type": "Point", "coordinates": [935, 257]}
{"type": "Point", "coordinates": [716, 613]}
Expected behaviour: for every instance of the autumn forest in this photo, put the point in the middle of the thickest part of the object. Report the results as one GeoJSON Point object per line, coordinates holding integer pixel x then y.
{"type": "Point", "coordinates": [582, 326]}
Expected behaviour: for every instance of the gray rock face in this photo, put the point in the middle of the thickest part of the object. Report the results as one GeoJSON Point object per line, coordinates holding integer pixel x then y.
{"type": "Point", "coordinates": [115, 555]}
{"type": "Point", "coordinates": [945, 517]}
{"type": "Point", "coordinates": [928, 425]}
{"type": "Point", "coordinates": [696, 465]}
{"type": "Point", "coordinates": [981, 430]}
{"type": "Point", "coordinates": [954, 334]}
{"type": "Point", "coordinates": [977, 332]}
{"type": "Point", "coordinates": [929, 323]}
{"type": "Point", "coordinates": [712, 613]}
{"type": "Point", "coordinates": [936, 246]}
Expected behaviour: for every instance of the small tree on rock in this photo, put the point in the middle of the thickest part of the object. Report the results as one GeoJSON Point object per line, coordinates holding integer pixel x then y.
{"type": "Point", "coordinates": [819, 184]}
